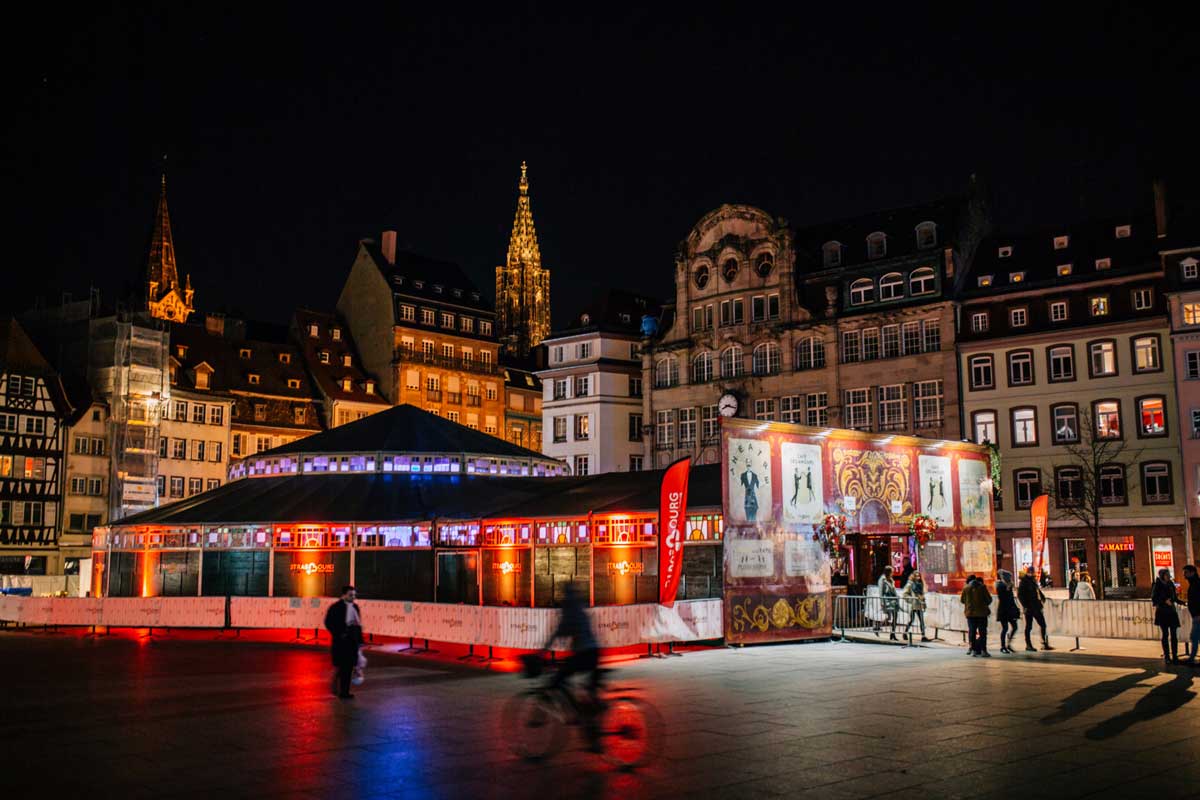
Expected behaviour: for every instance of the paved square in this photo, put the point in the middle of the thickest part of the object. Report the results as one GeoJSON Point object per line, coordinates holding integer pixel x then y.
{"type": "Point", "coordinates": [109, 717]}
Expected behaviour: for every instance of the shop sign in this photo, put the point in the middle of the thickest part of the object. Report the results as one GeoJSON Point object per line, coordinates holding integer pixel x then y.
{"type": "Point", "coordinates": [1162, 554]}
{"type": "Point", "coordinates": [313, 568]}
{"type": "Point", "coordinates": [626, 568]}
{"type": "Point", "coordinates": [506, 567]}
{"type": "Point", "coordinates": [1123, 544]}
{"type": "Point", "coordinates": [1162, 559]}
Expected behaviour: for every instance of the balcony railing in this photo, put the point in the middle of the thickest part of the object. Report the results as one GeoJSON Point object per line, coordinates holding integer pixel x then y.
{"type": "Point", "coordinates": [927, 424]}
{"type": "Point", "coordinates": [402, 354]}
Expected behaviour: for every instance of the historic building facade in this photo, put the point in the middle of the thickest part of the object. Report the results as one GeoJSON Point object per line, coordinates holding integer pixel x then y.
{"type": "Point", "coordinates": [592, 414]}
{"type": "Point", "coordinates": [522, 408]}
{"type": "Point", "coordinates": [522, 284]}
{"type": "Point", "coordinates": [426, 334]}
{"type": "Point", "coordinates": [1063, 343]}
{"type": "Point", "coordinates": [346, 391]}
{"type": "Point", "coordinates": [166, 298]}
{"type": "Point", "coordinates": [194, 447]}
{"type": "Point", "coordinates": [33, 410]}
{"type": "Point", "coordinates": [89, 467]}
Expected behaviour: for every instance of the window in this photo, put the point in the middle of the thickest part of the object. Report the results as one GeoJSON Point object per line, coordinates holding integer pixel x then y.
{"type": "Point", "coordinates": [891, 341]}
{"type": "Point", "coordinates": [926, 235]}
{"type": "Point", "coordinates": [772, 306]}
{"type": "Point", "coordinates": [731, 362]}
{"type": "Point", "coordinates": [702, 318]}
{"type": "Point", "coordinates": [447, 350]}
{"type": "Point", "coordinates": [687, 426]}
{"type": "Point", "coordinates": [1064, 270]}
{"type": "Point", "coordinates": [179, 448]}
{"type": "Point", "coordinates": [1099, 305]}
{"type": "Point", "coordinates": [447, 320]}
{"type": "Point", "coordinates": [635, 386]}
{"type": "Point", "coordinates": [1191, 313]}
{"type": "Point", "coordinates": [583, 350]}
{"type": "Point", "coordinates": [408, 313]}
{"type": "Point", "coordinates": [710, 421]}
{"type": "Point", "coordinates": [1004, 252]}
{"type": "Point", "coordinates": [858, 408]}
{"type": "Point", "coordinates": [195, 486]}
{"type": "Point", "coordinates": [764, 409]}
{"type": "Point", "coordinates": [1107, 414]}
{"type": "Point", "coordinates": [635, 463]}
{"type": "Point", "coordinates": [1156, 483]}
{"type": "Point", "coordinates": [181, 411]}
{"type": "Point", "coordinates": [927, 404]}
{"type": "Point", "coordinates": [235, 448]}
{"type": "Point", "coordinates": [35, 426]}
{"type": "Point", "coordinates": [1196, 423]}
{"type": "Point", "coordinates": [984, 423]}
{"type": "Point", "coordinates": [981, 372]}
{"type": "Point", "coordinates": [8, 423]}
{"type": "Point", "coordinates": [766, 359]}
{"type": "Point", "coordinates": [635, 427]}
{"type": "Point", "coordinates": [891, 286]}
{"type": "Point", "coordinates": [1103, 358]}
{"type": "Point", "coordinates": [198, 413]}
{"type": "Point", "coordinates": [1152, 419]}
{"type": "Point", "coordinates": [861, 291]}
{"type": "Point", "coordinates": [1123, 231]}
{"type": "Point", "coordinates": [1020, 368]}
{"type": "Point", "coordinates": [702, 368]}
{"type": "Point", "coordinates": [791, 409]}
{"type": "Point", "coordinates": [758, 308]}
{"type": "Point", "coordinates": [1066, 423]}
{"type": "Point", "coordinates": [214, 451]}
{"type": "Point", "coordinates": [912, 337]}
{"type": "Point", "coordinates": [666, 373]}
{"type": "Point", "coordinates": [816, 410]}
{"type": "Point", "coordinates": [581, 465]}
{"type": "Point", "coordinates": [347, 360]}
{"type": "Point", "coordinates": [1103, 263]}
{"type": "Point", "coordinates": [810, 353]}
{"type": "Point", "coordinates": [664, 429]}
{"type": "Point", "coordinates": [1062, 363]}
{"type": "Point", "coordinates": [254, 378]}
{"type": "Point", "coordinates": [732, 312]}
{"type": "Point", "coordinates": [892, 407]}
{"type": "Point", "coordinates": [560, 429]}
{"type": "Point", "coordinates": [1016, 277]}
{"type": "Point", "coordinates": [1112, 485]}
{"type": "Point", "coordinates": [1028, 484]}
{"type": "Point", "coordinates": [176, 486]}
{"type": "Point", "coordinates": [244, 353]}
{"type": "Point", "coordinates": [1192, 364]}
{"type": "Point", "coordinates": [922, 281]}
{"type": "Point", "coordinates": [262, 444]}
{"type": "Point", "coordinates": [1058, 311]}
{"type": "Point", "coordinates": [1145, 354]}
{"type": "Point", "coordinates": [583, 427]}
{"type": "Point", "coordinates": [1062, 242]}
{"type": "Point", "coordinates": [1024, 425]}
{"type": "Point", "coordinates": [216, 415]}
{"type": "Point", "coordinates": [490, 392]}
{"type": "Point", "coordinates": [1143, 299]}
{"type": "Point", "coordinates": [427, 316]}
{"type": "Point", "coordinates": [729, 269]}
{"type": "Point", "coordinates": [212, 483]}
{"type": "Point", "coordinates": [832, 254]}
{"type": "Point", "coordinates": [485, 328]}
{"type": "Point", "coordinates": [197, 450]}
{"type": "Point", "coordinates": [851, 347]}
{"type": "Point", "coordinates": [1018, 317]}
{"type": "Point", "coordinates": [877, 245]}
{"type": "Point", "coordinates": [466, 324]}
{"type": "Point", "coordinates": [298, 413]}
{"type": "Point", "coordinates": [984, 281]}
{"type": "Point", "coordinates": [1069, 485]}
{"type": "Point", "coordinates": [1190, 268]}
{"type": "Point", "coordinates": [701, 276]}
{"type": "Point", "coordinates": [979, 322]}
{"type": "Point", "coordinates": [870, 344]}
{"type": "Point", "coordinates": [560, 389]}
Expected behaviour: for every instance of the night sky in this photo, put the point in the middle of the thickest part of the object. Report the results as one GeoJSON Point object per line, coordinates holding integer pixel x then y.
{"type": "Point", "coordinates": [290, 134]}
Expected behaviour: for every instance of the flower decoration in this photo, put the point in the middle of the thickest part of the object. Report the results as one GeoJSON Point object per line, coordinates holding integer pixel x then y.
{"type": "Point", "coordinates": [922, 527]}
{"type": "Point", "coordinates": [832, 532]}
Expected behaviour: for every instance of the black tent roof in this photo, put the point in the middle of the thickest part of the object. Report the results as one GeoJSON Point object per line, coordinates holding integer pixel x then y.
{"type": "Point", "coordinates": [381, 496]}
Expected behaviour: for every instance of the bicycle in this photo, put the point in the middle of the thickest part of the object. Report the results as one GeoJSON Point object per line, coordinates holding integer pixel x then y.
{"type": "Point", "coordinates": [624, 729]}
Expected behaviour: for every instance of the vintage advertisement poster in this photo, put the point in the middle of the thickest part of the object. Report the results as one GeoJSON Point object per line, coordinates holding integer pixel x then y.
{"type": "Point", "coordinates": [975, 503]}
{"type": "Point", "coordinates": [803, 483]}
{"type": "Point", "coordinates": [937, 497]}
{"type": "Point", "coordinates": [751, 558]}
{"type": "Point", "coordinates": [979, 557]}
{"type": "Point", "coordinates": [749, 479]}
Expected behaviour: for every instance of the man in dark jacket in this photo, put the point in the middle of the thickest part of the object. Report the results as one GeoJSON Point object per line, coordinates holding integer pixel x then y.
{"type": "Point", "coordinates": [976, 599]}
{"type": "Point", "coordinates": [1032, 601]}
{"type": "Point", "coordinates": [1193, 607]}
{"type": "Point", "coordinates": [343, 620]}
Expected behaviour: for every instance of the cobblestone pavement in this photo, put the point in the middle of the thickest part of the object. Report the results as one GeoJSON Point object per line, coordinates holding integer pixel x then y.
{"type": "Point", "coordinates": [115, 717]}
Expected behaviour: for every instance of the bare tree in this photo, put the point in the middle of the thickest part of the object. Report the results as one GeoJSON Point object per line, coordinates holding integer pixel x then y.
{"type": "Point", "coordinates": [1093, 476]}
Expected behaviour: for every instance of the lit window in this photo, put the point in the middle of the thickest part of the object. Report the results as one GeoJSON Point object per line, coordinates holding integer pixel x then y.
{"type": "Point", "coordinates": [1103, 263]}
{"type": "Point", "coordinates": [1152, 420]}
{"type": "Point", "coordinates": [1103, 359]}
{"type": "Point", "coordinates": [1016, 277]}
{"type": "Point", "coordinates": [1191, 313]}
{"type": "Point", "coordinates": [984, 281]}
{"type": "Point", "coordinates": [985, 427]}
{"type": "Point", "coordinates": [313, 330]}
{"type": "Point", "coordinates": [1064, 270]}
{"type": "Point", "coordinates": [1062, 242]}
{"type": "Point", "coordinates": [1107, 414]}
{"type": "Point", "coordinates": [337, 334]}
{"type": "Point", "coordinates": [1024, 422]}
{"type": "Point", "coordinates": [1145, 354]}
{"type": "Point", "coordinates": [1099, 305]}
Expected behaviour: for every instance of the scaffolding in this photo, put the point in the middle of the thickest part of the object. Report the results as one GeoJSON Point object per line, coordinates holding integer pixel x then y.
{"type": "Point", "coordinates": [128, 368]}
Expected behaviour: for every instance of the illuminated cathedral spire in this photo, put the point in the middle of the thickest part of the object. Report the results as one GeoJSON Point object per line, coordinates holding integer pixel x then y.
{"type": "Point", "coordinates": [522, 286]}
{"type": "Point", "coordinates": [165, 297]}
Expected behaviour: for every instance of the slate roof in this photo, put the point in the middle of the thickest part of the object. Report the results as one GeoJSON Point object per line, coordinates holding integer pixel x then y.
{"type": "Point", "coordinates": [328, 376]}
{"type": "Point", "coordinates": [413, 269]}
{"type": "Point", "coordinates": [521, 380]}
{"type": "Point", "coordinates": [900, 225]}
{"type": "Point", "coordinates": [367, 497]}
{"type": "Point", "coordinates": [618, 311]}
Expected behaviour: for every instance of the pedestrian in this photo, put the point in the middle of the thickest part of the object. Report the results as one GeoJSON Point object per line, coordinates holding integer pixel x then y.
{"type": "Point", "coordinates": [343, 620]}
{"type": "Point", "coordinates": [1085, 590]}
{"type": "Point", "coordinates": [1032, 601]}
{"type": "Point", "coordinates": [1163, 597]}
{"type": "Point", "coordinates": [1007, 612]}
{"type": "Point", "coordinates": [1072, 584]}
{"type": "Point", "coordinates": [914, 593]}
{"type": "Point", "coordinates": [888, 598]}
{"type": "Point", "coordinates": [1193, 607]}
{"type": "Point", "coordinates": [976, 600]}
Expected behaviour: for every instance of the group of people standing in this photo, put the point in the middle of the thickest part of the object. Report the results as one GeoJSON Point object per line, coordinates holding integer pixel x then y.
{"type": "Point", "coordinates": [912, 591]}
{"type": "Point", "coordinates": [1165, 598]}
{"type": "Point", "coordinates": [977, 601]}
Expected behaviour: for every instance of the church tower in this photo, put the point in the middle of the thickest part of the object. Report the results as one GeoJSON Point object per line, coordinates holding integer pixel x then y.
{"type": "Point", "coordinates": [522, 286]}
{"type": "Point", "coordinates": [165, 298]}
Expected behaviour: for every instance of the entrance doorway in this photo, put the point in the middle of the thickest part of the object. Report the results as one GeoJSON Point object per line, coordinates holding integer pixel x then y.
{"type": "Point", "coordinates": [872, 554]}
{"type": "Point", "coordinates": [1076, 558]}
{"type": "Point", "coordinates": [458, 577]}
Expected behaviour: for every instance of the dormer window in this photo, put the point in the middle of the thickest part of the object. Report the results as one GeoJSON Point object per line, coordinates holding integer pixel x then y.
{"type": "Point", "coordinates": [1190, 268]}
{"type": "Point", "coordinates": [1103, 263]}
{"type": "Point", "coordinates": [1005, 252]}
{"type": "Point", "coordinates": [293, 383]}
{"type": "Point", "coordinates": [347, 385]}
{"type": "Point", "coordinates": [314, 331]}
{"type": "Point", "coordinates": [201, 379]}
{"type": "Point", "coordinates": [985, 281]}
{"type": "Point", "coordinates": [1062, 242]}
{"type": "Point", "coordinates": [437, 288]}
{"type": "Point", "coordinates": [174, 375]}
{"type": "Point", "coordinates": [926, 235]}
{"type": "Point", "coordinates": [369, 387]}
{"type": "Point", "coordinates": [877, 245]}
{"type": "Point", "coordinates": [346, 360]}
{"type": "Point", "coordinates": [891, 286]}
{"type": "Point", "coordinates": [336, 333]}
{"type": "Point", "coordinates": [1123, 231]}
{"type": "Point", "coordinates": [254, 378]}
{"type": "Point", "coordinates": [585, 319]}
{"type": "Point", "coordinates": [398, 280]}
{"type": "Point", "coordinates": [1016, 277]}
{"type": "Point", "coordinates": [323, 356]}
{"type": "Point", "coordinates": [625, 318]}
{"type": "Point", "coordinates": [418, 284]}
{"type": "Point", "coordinates": [458, 292]}
{"type": "Point", "coordinates": [285, 358]}
{"type": "Point", "coordinates": [862, 291]}
{"type": "Point", "coordinates": [244, 354]}
{"type": "Point", "coordinates": [299, 414]}
{"type": "Point", "coordinates": [474, 295]}
{"type": "Point", "coordinates": [832, 252]}
{"type": "Point", "coordinates": [1064, 270]}
{"type": "Point", "coordinates": [181, 350]}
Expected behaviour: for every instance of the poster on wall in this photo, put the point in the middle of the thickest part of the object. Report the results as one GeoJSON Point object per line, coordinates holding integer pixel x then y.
{"type": "Point", "coordinates": [749, 480]}
{"type": "Point", "coordinates": [936, 494]}
{"type": "Point", "coordinates": [978, 557]}
{"type": "Point", "coordinates": [803, 483]}
{"type": "Point", "coordinates": [974, 502]}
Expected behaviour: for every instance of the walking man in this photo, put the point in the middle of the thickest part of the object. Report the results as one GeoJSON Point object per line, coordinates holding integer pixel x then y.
{"type": "Point", "coordinates": [1032, 600]}
{"type": "Point", "coordinates": [1193, 607]}
{"type": "Point", "coordinates": [343, 620]}
{"type": "Point", "coordinates": [976, 600]}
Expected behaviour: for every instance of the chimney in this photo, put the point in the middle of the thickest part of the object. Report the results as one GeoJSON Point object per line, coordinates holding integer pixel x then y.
{"type": "Point", "coordinates": [1160, 207]}
{"type": "Point", "coordinates": [389, 246]}
{"type": "Point", "coordinates": [214, 324]}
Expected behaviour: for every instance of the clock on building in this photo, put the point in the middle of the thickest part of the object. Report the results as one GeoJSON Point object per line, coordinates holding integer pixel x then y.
{"type": "Point", "coordinates": [727, 405]}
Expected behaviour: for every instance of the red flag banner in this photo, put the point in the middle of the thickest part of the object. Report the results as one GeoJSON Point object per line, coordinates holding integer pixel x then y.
{"type": "Point", "coordinates": [1038, 513]}
{"type": "Point", "coordinates": [672, 516]}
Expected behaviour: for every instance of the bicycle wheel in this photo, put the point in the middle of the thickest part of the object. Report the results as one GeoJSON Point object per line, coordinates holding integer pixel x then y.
{"type": "Point", "coordinates": [533, 725]}
{"type": "Point", "coordinates": [630, 730]}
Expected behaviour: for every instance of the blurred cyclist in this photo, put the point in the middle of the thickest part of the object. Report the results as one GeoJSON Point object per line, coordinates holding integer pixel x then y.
{"type": "Point", "coordinates": [585, 655]}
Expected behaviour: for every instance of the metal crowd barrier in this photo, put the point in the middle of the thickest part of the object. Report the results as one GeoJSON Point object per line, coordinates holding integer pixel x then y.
{"type": "Point", "coordinates": [866, 614]}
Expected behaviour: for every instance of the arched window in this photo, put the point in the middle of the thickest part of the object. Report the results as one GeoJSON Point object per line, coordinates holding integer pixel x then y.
{"type": "Point", "coordinates": [666, 372]}
{"type": "Point", "coordinates": [763, 263]}
{"type": "Point", "coordinates": [877, 245]}
{"type": "Point", "coordinates": [731, 362]}
{"type": "Point", "coordinates": [832, 252]}
{"type": "Point", "coordinates": [766, 359]}
{"type": "Point", "coordinates": [701, 276]}
{"type": "Point", "coordinates": [729, 269]}
{"type": "Point", "coordinates": [862, 291]}
{"type": "Point", "coordinates": [927, 235]}
{"type": "Point", "coordinates": [702, 368]}
{"type": "Point", "coordinates": [921, 281]}
{"type": "Point", "coordinates": [891, 286]}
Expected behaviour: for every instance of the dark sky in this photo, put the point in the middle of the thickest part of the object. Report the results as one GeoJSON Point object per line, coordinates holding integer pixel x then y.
{"type": "Point", "coordinates": [291, 134]}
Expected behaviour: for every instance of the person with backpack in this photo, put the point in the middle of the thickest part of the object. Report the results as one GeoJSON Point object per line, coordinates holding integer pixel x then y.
{"type": "Point", "coordinates": [1007, 612]}
{"type": "Point", "coordinates": [976, 600]}
{"type": "Point", "coordinates": [1033, 601]}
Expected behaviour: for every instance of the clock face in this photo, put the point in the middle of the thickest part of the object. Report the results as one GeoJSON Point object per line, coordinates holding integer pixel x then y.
{"type": "Point", "coordinates": [727, 405]}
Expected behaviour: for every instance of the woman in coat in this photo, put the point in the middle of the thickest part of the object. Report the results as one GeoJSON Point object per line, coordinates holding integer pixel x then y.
{"type": "Point", "coordinates": [888, 598]}
{"type": "Point", "coordinates": [1084, 589]}
{"type": "Point", "coordinates": [914, 594]}
{"type": "Point", "coordinates": [1007, 611]}
{"type": "Point", "coordinates": [1165, 616]}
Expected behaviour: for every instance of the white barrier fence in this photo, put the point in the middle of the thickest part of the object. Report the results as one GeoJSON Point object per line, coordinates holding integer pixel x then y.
{"type": "Point", "coordinates": [517, 628]}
